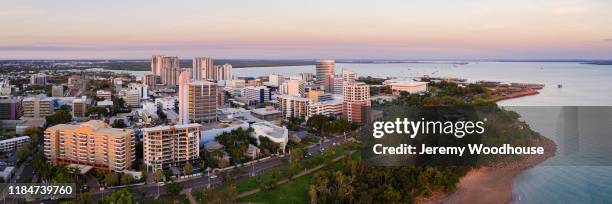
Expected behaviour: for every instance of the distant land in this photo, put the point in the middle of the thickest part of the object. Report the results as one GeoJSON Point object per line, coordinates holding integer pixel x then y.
{"type": "Point", "coordinates": [144, 64]}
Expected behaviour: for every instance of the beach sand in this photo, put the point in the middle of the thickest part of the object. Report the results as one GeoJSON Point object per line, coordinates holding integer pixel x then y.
{"type": "Point", "coordinates": [490, 184]}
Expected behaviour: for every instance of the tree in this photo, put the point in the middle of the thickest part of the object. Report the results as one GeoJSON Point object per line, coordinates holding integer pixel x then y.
{"type": "Point", "coordinates": [317, 122]}
{"type": "Point", "coordinates": [23, 152]}
{"type": "Point", "coordinates": [35, 133]}
{"type": "Point", "coordinates": [158, 175]}
{"type": "Point", "coordinates": [187, 169]}
{"type": "Point", "coordinates": [126, 179]}
{"type": "Point", "coordinates": [96, 110]}
{"type": "Point", "coordinates": [168, 174]}
{"type": "Point", "coordinates": [122, 196]}
{"type": "Point", "coordinates": [119, 123]}
{"type": "Point", "coordinates": [111, 179]}
{"type": "Point", "coordinates": [60, 117]}
{"type": "Point", "coordinates": [223, 194]}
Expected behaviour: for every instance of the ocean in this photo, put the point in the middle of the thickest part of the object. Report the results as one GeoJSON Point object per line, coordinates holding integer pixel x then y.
{"type": "Point", "coordinates": [563, 178]}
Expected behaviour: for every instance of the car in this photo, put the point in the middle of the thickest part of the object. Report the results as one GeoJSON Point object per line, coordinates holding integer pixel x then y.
{"type": "Point", "coordinates": [213, 176]}
{"type": "Point", "coordinates": [161, 183]}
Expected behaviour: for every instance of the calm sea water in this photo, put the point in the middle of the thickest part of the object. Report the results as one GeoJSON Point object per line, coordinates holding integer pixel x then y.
{"type": "Point", "coordinates": [582, 85]}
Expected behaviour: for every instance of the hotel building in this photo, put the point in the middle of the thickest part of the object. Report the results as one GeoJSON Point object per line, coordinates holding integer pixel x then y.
{"type": "Point", "coordinates": [166, 146]}
{"type": "Point", "coordinates": [93, 143]}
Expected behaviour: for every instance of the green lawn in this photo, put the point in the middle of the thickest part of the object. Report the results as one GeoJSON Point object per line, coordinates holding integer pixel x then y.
{"type": "Point", "coordinates": [295, 191]}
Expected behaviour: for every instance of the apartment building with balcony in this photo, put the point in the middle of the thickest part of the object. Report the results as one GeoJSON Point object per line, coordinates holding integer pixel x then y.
{"type": "Point", "coordinates": [166, 146]}
{"type": "Point", "coordinates": [93, 143]}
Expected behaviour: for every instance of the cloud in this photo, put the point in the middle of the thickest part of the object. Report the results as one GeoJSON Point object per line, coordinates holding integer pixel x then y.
{"type": "Point", "coordinates": [571, 10]}
{"type": "Point", "coordinates": [607, 39]}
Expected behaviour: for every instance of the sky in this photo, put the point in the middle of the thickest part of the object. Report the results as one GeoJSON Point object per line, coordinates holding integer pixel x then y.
{"type": "Point", "coordinates": [307, 29]}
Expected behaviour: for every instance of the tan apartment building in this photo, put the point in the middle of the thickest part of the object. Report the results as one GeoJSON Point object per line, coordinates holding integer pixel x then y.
{"type": "Point", "coordinates": [197, 101]}
{"type": "Point", "coordinates": [166, 146]}
{"type": "Point", "coordinates": [37, 107]}
{"type": "Point", "coordinates": [292, 106]}
{"type": "Point", "coordinates": [93, 143]}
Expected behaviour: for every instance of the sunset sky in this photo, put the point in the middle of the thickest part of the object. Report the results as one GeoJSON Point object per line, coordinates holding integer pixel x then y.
{"type": "Point", "coordinates": [289, 29]}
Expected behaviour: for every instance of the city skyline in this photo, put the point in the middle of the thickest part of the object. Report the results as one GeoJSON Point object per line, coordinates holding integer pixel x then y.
{"type": "Point", "coordinates": [568, 29]}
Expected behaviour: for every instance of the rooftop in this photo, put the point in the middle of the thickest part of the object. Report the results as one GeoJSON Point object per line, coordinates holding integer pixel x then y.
{"type": "Point", "coordinates": [158, 128]}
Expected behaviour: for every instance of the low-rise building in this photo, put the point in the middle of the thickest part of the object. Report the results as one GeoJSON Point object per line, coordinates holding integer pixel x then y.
{"type": "Point", "coordinates": [327, 108]}
{"type": "Point", "coordinates": [107, 95]}
{"type": "Point", "coordinates": [10, 109]}
{"type": "Point", "coordinates": [268, 114]}
{"type": "Point", "coordinates": [274, 133]}
{"type": "Point", "coordinates": [13, 143]}
{"type": "Point", "coordinates": [408, 86]}
{"type": "Point", "coordinates": [37, 107]}
{"type": "Point", "coordinates": [79, 107]}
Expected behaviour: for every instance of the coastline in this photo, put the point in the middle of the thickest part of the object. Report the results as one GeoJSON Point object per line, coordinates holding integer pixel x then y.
{"type": "Point", "coordinates": [491, 184]}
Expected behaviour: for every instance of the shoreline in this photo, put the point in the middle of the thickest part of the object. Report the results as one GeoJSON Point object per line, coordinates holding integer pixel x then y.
{"type": "Point", "coordinates": [491, 184]}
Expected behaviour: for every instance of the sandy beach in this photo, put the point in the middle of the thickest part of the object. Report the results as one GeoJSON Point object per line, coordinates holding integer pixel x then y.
{"type": "Point", "coordinates": [490, 184]}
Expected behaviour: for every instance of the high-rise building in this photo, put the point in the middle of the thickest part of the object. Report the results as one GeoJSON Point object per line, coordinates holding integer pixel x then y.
{"type": "Point", "coordinates": [167, 67]}
{"type": "Point", "coordinates": [39, 79]}
{"type": "Point", "coordinates": [93, 143]}
{"type": "Point", "coordinates": [197, 101]}
{"type": "Point", "coordinates": [165, 146]}
{"type": "Point", "coordinates": [201, 68]}
{"type": "Point", "coordinates": [306, 76]}
{"type": "Point", "coordinates": [57, 91]}
{"type": "Point", "coordinates": [224, 73]}
{"type": "Point", "coordinates": [183, 97]}
{"type": "Point", "coordinates": [292, 106]}
{"type": "Point", "coordinates": [37, 107]}
{"type": "Point", "coordinates": [156, 64]}
{"type": "Point", "coordinates": [10, 109]}
{"type": "Point", "coordinates": [325, 74]}
{"type": "Point", "coordinates": [356, 101]}
{"type": "Point", "coordinates": [79, 107]}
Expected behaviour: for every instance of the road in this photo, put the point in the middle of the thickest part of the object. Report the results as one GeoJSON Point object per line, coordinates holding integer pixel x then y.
{"type": "Point", "coordinates": [203, 181]}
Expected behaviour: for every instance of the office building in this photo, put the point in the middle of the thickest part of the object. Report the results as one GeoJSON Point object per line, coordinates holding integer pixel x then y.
{"type": "Point", "coordinates": [10, 109]}
{"type": "Point", "coordinates": [93, 143]}
{"type": "Point", "coordinates": [356, 101]}
{"type": "Point", "coordinates": [166, 146]}
{"type": "Point", "coordinates": [292, 106]}
{"type": "Point", "coordinates": [57, 91]}
{"type": "Point", "coordinates": [37, 107]}
{"type": "Point", "coordinates": [201, 68]}
{"type": "Point", "coordinates": [79, 107]}
{"type": "Point", "coordinates": [338, 82]}
{"type": "Point", "coordinates": [306, 76]}
{"type": "Point", "coordinates": [325, 74]}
